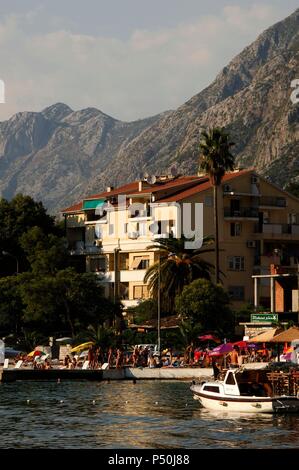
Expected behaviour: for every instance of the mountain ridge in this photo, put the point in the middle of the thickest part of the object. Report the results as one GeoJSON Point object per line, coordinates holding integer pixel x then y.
{"type": "Point", "coordinates": [60, 155]}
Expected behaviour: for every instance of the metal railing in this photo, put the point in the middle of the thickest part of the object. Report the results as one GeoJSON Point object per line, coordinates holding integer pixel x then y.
{"type": "Point", "coordinates": [273, 201]}
{"type": "Point", "coordinates": [248, 212]}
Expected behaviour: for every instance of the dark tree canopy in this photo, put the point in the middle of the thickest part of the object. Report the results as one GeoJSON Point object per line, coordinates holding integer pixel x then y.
{"type": "Point", "coordinates": [206, 305]}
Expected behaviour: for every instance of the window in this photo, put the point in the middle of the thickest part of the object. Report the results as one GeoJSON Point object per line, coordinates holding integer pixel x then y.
{"type": "Point", "coordinates": [142, 229]}
{"type": "Point", "coordinates": [208, 201]}
{"type": "Point", "coordinates": [144, 264]}
{"type": "Point", "coordinates": [292, 218]}
{"type": "Point", "coordinates": [140, 292]}
{"type": "Point", "coordinates": [140, 262]}
{"type": "Point", "coordinates": [97, 264]}
{"type": "Point", "coordinates": [236, 263]}
{"type": "Point", "coordinates": [211, 388]}
{"type": "Point", "coordinates": [235, 229]}
{"type": "Point", "coordinates": [123, 261]}
{"type": "Point", "coordinates": [111, 229]}
{"type": "Point", "coordinates": [230, 379]}
{"type": "Point", "coordinates": [236, 292]}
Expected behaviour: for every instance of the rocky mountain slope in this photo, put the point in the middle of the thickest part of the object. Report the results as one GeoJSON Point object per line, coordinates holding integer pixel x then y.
{"type": "Point", "coordinates": [60, 155]}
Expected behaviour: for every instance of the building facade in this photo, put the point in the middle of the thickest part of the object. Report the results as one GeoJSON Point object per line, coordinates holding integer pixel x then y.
{"type": "Point", "coordinates": [113, 231]}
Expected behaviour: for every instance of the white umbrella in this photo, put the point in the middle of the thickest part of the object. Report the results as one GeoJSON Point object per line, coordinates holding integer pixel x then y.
{"type": "Point", "coordinates": [84, 353]}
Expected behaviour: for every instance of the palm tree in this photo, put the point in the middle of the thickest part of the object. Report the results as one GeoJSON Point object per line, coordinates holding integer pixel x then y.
{"type": "Point", "coordinates": [176, 267]}
{"type": "Point", "coordinates": [99, 335]}
{"type": "Point", "coordinates": [216, 159]}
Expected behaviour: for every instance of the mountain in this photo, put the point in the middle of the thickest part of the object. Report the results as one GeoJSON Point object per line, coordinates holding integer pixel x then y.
{"type": "Point", "coordinates": [60, 155]}
{"type": "Point", "coordinates": [52, 155]}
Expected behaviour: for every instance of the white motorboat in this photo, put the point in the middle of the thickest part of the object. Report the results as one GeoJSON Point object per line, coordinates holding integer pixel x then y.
{"type": "Point", "coordinates": [245, 391]}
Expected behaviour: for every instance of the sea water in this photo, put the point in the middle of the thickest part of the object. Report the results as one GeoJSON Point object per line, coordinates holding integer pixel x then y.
{"type": "Point", "coordinates": [121, 414]}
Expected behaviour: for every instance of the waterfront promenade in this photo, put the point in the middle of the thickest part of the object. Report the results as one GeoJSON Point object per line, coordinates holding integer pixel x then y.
{"type": "Point", "coordinates": [124, 373]}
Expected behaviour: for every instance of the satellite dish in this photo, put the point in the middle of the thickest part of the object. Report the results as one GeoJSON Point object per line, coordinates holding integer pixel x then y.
{"type": "Point", "coordinates": [146, 176]}
{"type": "Point", "coordinates": [151, 179]}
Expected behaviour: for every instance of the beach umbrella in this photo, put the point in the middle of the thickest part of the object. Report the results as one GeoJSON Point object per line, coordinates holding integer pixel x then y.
{"type": "Point", "coordinates": [266, 336]}
{"type": "Point", "coordinates": [84, 353]}
{"type": "Point", "coordinates": [287, 336]}
{"type": "Point", "coordinates": [241, 344]}
{"type": "Point", "coordinates": [222, 349]}
{"type": "Point", "coordinates": [82, 346]}
{"type": "Point", "coordinates": [209, 338]}
{"type": "Point", "coordinates": [65, 339]}
{"type": "Point", "coordinates": [36, 353]}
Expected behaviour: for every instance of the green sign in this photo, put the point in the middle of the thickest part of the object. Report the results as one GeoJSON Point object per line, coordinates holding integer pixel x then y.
{"type": "Point", "coordinates": [261, 317]}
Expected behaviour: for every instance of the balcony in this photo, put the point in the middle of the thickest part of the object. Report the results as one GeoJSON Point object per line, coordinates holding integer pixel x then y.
{"type": "Point", "coordinates": [140, 214]}
{"type": "Point", "coordinates": [285, 231]}
{"type": "Point", "coordinates": [273, 202]}
{"type": "Point", "coordinates": [241, 213]}
{"type": "Point", "coordinates": [136, 275]}
{"type": "Point", "coordinates": [133, 235]}
{"type": "Point", "coordinates": [79, 248]}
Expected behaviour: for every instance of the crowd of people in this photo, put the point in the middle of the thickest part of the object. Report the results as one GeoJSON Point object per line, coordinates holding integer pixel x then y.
{"type": "Point", "coordinates": [144, 356]}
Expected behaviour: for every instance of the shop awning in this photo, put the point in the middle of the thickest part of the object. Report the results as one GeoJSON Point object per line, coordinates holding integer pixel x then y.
{"type": "Point", "coordinates": [93, 203]}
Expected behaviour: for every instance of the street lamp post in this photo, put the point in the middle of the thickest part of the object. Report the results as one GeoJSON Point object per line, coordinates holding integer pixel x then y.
{"type": "Point", "coordinates": [159, 306]}
{"type": "Point", "coordinates": [5, 253]}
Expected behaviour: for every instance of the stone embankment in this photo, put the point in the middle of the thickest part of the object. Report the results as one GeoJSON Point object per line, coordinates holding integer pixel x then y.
{"type": "Point", "coordinates": [125, 373]}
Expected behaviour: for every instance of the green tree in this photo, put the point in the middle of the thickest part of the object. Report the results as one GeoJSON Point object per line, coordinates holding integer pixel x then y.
{"type": "Point", "coordinates": [11, 306]}
{"type": "Point", "coordinates": [293, 188]}
{"type": "Point", "coordinates": [215, 160]}
{"type": "Point", "coordinates": [189, 331]}
{"type": "Point", "coordinates": [16, 218]}
{"type": "Point", "coordinates": [205, 305]}
{"type": "Point", "coordinates": [177, 267]}
{"type": "Point", "coordinates": [67, 301]}
{"type": "Point", "coordinates": [46, 253]}
{"type": "Point", "coordinates": [146, 310]}
{"type": "Point", "coordinates": [100, 336]}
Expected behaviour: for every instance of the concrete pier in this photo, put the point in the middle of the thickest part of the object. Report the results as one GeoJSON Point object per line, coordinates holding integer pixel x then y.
{"type": "Point", "coordinates": [125, 373]}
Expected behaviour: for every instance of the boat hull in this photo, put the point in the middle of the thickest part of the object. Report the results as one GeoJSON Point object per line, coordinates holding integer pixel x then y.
{"type": "Point", "coordinates": [243, 404]}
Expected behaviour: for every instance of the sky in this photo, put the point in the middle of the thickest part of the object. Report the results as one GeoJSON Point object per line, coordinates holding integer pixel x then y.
{"type": "Point", "coordinates": [129, 58]}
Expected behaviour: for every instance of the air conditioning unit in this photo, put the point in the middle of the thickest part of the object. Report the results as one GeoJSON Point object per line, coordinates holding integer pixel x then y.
{"type": "Point", "coordinates": [133, 235]}
{"type": "Point", "coordinates": [251, 243]}
{"type": "Point", "coordinates": [254, 179]}
{"type": "Point", "coordinates": [227, 188]}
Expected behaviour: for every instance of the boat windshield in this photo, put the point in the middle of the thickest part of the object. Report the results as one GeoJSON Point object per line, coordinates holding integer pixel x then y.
{"type": "Point", "coordinates": [253, 383]}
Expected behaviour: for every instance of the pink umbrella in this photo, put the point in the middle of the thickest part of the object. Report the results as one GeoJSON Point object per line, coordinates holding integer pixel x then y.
{"type": "Point", "coordinates": [245, 345]}
{"type": "Point", "coordinates": [209, 338]}
{"type": "Point", "coordinates": [222, 349]}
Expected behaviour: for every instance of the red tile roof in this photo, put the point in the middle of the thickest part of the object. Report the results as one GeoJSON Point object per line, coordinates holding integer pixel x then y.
{"type": "Point", "coordinates": [74, 208]}
{"type": "Point", "coordinates": [198, 184]}
{"type": "Point", "coordinates": [202, 186]}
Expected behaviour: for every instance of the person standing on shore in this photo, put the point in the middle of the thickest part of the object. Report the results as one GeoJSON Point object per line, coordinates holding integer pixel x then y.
{"type": "Point", "coordinates": [234, 358]}
{"type": "Point", "coordinates": [110, 358]}
{"type": "Point", "coordinates": [119, 358]}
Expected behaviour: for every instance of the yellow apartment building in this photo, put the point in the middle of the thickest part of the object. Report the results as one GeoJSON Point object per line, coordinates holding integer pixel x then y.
{"type": "Point", "coordinates": [112, 231]}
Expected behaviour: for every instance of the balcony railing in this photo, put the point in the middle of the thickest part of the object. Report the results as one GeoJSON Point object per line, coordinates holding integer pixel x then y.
{"type": "Point", "coordinates": [145, 213]}
{"type": "Point", "coordinates": [79, 248]}
{"type": "Point", "coordinates": [244, 212]}
{"type": "Point", "coordinates": [273, 201]}
{"type": "Point", "coordinates": [277, 229]}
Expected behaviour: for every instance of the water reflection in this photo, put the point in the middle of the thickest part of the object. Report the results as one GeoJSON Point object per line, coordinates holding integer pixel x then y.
{"type": "Point", "coordinates": [126, 415]}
